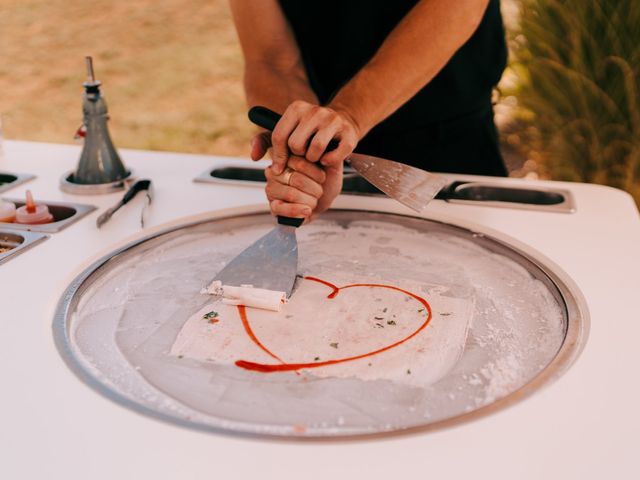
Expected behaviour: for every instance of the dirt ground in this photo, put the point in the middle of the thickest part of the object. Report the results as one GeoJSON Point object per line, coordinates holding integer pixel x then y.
{"type": "Point", "coordinates": [171, 72]}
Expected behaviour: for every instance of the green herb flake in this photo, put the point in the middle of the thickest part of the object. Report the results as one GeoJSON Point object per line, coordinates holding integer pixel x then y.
{"type": "Point", "coordinates": [316, 359]}
{"type": "Point", "coordinates": [408, 372]}
{"type": "Point", "coordinates": [391, 322]}
{"type": "Point", "coordinates": [384, 310]}
{"type": "Point", "coordinates": [334, 344]}
{"type": "Point", "coordinates": [180, 356]}
{"type": "Point", "coordinates": [446, 314]}
{"type": "Point", "coordinates": [210, 315]}
{"type": "Point", "coordinates": [421, 310]}
{"type": "Point", "coordinates": [379, 325]}
{"type": "Point", "coordinates": [378, 318]}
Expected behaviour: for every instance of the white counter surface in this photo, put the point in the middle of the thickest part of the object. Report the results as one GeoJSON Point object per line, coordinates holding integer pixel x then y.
{"type": "Point", "coordinates": [586, 425]}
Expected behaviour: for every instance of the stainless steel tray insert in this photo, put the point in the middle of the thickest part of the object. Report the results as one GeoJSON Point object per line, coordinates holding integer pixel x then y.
{"type": "Point", "coordinates": [11, 180]}
{"type": "Point", "coordinates": [477, 193]}
{"type": "Point", "coordinates": [64, 214]}
{"type": "Point", "coordinates": [16, 242]}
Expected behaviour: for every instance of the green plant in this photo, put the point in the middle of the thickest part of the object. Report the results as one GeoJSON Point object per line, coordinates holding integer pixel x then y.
{"type": "Point", "coordinates": [579, 67]}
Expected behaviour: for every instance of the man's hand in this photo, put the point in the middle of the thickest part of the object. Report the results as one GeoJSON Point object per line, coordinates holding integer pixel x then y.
{"type": "Point", "coordinates": [330, 189]}
{"type": "Point", "coordinates": [305, 130]}
{"type": "Point", "coordinates": [296, 191]}
{"type": "Point", "coordinates": [306, 192]}
{"type": "Point", "coordinates": [303, 190]}
{"type": "Point", "coordinates": [260, 145]}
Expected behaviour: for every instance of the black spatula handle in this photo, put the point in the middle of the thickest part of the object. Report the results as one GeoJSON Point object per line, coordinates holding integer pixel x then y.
{"type": "Point", "coordinates": [290, 221]}
{"type": "Point", "coordinates": [263, 117]}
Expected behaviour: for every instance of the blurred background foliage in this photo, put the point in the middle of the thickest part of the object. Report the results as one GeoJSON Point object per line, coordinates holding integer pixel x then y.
{"type": "Point", "coordinates": [578, 89]}
{"type": "Point", "coordinates": [172, 73]}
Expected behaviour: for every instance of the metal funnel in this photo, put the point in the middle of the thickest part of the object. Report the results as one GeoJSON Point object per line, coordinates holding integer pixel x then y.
{"type": "Point", "coordinates": [99, 162]}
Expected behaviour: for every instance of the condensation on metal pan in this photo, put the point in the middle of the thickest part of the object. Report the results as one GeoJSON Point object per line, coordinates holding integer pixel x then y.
{"type": "Point", "coordinates": [116, 324]}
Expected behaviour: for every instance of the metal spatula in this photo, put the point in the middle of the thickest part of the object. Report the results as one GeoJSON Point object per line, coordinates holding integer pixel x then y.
{"type": "Point", "coordinates": [270, 263]}
{"type": "Point", "coordinates": [411, 186]}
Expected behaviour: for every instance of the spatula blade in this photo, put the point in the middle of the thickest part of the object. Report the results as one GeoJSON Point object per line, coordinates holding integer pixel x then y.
{"type": "Point", "coordinates": [270, 263]}
{"type": "Point", "coordinates": [411, 186]}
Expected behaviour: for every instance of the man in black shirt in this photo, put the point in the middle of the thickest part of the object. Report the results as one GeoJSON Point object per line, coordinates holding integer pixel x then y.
{"type": "Point", "coordinates": [409, 80]}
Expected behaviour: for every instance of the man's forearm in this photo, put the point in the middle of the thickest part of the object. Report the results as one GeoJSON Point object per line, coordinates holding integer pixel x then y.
{"type": "Point", "coordinates": [415, 51]}
{"type": "Point", "coordinates": [274, 74]}
{"type": "Point", "coordinates": [275, 88]}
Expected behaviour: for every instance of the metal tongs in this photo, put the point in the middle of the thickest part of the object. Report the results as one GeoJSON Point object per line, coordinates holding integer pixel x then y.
{"type": "Point", "coordinates": [139, 186]}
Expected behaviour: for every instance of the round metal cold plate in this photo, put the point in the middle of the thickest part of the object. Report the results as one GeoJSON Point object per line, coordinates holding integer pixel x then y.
{"type": "Point", "coordinates": [503, 323]}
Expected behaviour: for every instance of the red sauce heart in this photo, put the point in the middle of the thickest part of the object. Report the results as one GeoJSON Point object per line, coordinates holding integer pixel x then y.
{"type": "Point", "coordinates": [287, 367]}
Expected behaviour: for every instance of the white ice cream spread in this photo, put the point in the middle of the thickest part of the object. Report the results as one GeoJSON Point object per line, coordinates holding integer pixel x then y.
{"type": "Point", "coordinates": [312, 328]}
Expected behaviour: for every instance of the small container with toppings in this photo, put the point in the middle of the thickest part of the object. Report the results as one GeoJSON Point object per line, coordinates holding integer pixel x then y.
{"type": "Point", "coordinates": [7, 211]}
{"type": "Point", "coordinates": [32, 213]}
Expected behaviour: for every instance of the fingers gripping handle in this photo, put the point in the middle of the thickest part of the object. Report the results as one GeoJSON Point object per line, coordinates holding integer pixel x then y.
{"type": "Point", "coordinates": [265, 118]}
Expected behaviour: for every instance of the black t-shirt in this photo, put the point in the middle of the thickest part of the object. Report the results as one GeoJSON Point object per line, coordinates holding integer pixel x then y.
{"type": "Point", "coordinates": [338, 37]}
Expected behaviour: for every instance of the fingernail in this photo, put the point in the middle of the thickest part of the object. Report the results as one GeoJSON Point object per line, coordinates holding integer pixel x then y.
{"type": "Point", "coordinates": [306, 211]}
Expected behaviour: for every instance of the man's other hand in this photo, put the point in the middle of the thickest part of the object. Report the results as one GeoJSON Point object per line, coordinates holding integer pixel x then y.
{"type": "Point", "coordinates": [305, 130]}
